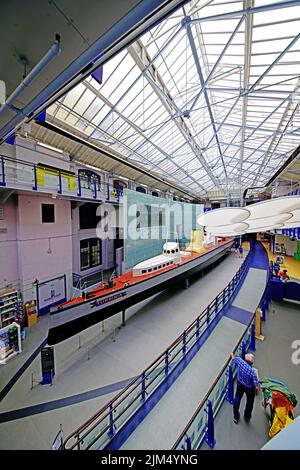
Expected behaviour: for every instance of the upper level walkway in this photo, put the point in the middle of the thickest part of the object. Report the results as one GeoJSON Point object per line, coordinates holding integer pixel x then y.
{"type": "Point", "coordinates": [16, 174]}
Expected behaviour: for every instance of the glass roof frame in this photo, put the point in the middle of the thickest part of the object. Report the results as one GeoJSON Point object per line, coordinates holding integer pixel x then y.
{"type": "Point", "coordinates": [200, 99]}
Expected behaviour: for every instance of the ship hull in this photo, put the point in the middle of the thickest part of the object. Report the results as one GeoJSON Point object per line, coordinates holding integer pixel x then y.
{"type": "Point", "coordinates": [72, 319]}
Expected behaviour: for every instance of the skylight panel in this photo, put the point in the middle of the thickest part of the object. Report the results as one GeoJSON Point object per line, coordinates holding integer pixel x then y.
{"type": "Point", "coordinates": [103, 111]}
{"type": "Point", "coordinates": [283, 14]}
{"type": "Point", "coordinates": [285, 29]}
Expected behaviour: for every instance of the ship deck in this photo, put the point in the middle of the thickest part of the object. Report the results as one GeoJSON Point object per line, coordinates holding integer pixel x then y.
{"type": "Point", "coordinates": [128, 279]}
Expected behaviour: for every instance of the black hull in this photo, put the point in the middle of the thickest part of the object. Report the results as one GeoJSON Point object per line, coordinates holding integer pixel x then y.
{"type": "Point", "coordinates": [62, 332]}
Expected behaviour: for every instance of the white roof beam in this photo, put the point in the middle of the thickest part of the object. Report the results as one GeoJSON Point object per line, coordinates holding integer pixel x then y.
{"type": "Point", "coordinates": [140, 56]}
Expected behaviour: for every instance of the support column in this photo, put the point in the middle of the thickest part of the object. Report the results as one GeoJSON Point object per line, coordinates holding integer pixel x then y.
{"type": "Point", "coordinates": [123, 318]}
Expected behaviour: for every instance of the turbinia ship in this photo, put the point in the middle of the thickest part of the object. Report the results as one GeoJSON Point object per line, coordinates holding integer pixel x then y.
{"type": "Point", "coordinates": [145, 279]}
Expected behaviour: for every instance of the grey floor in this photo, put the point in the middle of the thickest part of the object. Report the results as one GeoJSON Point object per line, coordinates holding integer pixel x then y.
{"type": "Point", "coordinates": [162, 426]}
{"type": "Point", "coordinates": [105, 357]}
{"type": "Point", "coordinates": [251, 291]}
{"type": "Point", "coordinates": [35, 335]}
{"type": "Point", "coordinates": [273, 359]}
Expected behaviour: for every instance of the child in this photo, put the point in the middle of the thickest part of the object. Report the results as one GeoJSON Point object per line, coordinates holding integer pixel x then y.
{"type": "Point", "coordinates": [284, 276]}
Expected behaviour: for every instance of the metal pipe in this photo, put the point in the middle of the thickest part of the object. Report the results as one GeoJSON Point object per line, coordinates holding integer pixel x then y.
{"type": "Point", "coordinates": [113, 40]}
{"type": "Point", "coordinates": [52, 53]}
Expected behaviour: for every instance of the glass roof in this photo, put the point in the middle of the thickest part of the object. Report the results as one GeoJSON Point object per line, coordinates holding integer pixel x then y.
{"type": "Point", "coordinates": [208, 99]}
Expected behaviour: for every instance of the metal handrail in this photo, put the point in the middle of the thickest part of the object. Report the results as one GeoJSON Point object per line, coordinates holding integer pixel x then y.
{"type": "Point", "coordinates": [205, 399]}
{"type": "Point", "coordinates": [215, 306]}
{"type": "Point", "coordinates": [32, 165]}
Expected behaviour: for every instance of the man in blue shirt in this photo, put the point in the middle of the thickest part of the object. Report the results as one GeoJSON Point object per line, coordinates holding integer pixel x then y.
{"type": "Point", "coordinates": [247, 382]}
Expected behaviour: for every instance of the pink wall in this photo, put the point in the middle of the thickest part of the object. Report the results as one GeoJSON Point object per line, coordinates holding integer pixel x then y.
{"type": "Point", "coordinates": [44, 249]}
{"type": "Point", "coordinates": [8, 246]}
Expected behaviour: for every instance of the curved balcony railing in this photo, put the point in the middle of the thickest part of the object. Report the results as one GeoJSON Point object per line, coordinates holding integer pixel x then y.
{"type": "Point", "coordinates": [19, 174]}
{"type": "Point", "coordinates": [100, 429]}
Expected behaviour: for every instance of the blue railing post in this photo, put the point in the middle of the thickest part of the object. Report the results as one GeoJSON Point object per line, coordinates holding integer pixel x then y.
{"type": "Point", "coordinates": [143, 386]}
{"type": "Point", "coordinates": [263, 310]}
{"type": "Point", "coordinates": [112, 427]}
{"type": "Point", "coordinates": [243, 349]}
{"type": "Point", "coordinates": [230, 389]}
{"type": "Point", "coordinates": [224, 297]}
{"type": "Point", "coordinates": [107, 192]}
{"type": "Point", "coordinates": [3, 182]}
{"type": "Point", "coordinates": [188, 443]}
{"type": "Point", "coordinates": [166, 362]}
{"type": "Point", "coordinates": [210, 433]}
{"type": "Point", "coordinates": [197, 327]}
{"type": "Point", "coordinates": [118, 195]}
{"type": "Point", "coordinates": [59, 183]}
{"type": "Point", "coordinates": [79, 186]}
{"type": "Point", "coordinates": [34, 187]}
{"type": "Point", "coordinates": [95, 190]}
{"type": "Point", "coordinates": [252, 345]}
{"type": "Point", "coordinates": [184, 342]}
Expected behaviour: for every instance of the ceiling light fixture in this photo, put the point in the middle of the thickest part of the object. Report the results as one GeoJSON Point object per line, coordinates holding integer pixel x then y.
{"type": "Point", "coordinates": [50, 147]}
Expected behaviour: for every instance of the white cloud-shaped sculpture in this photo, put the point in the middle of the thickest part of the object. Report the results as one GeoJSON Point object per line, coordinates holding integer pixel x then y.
{"type": "Point", "coordinates": [235, 229]}
{"type": "Point", "coordinates": [273, 207]}
{"type": "Point", "coordinates": [281, 212]}
{"type": "Point", "coordinates": [271, 222]}
{"type": "Point", "coordinates": [291, 224]}
{"type": "Point", "coordinates": [264, 229]}
{"type": "Point", "coordinates": [223, 216]}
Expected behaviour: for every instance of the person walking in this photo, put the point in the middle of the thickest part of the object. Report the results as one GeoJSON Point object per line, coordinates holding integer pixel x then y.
{"type": "Point", "coordinates": [241, 251]}
{"type": "Point", "coordinates": [247, 382]}
{"type": "Point", "coordinates": [276, 268]}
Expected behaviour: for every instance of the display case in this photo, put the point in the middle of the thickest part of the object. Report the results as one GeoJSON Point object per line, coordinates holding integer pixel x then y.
{"type": "Point", "coordinates": [10, 342]}
{"type": "Point", "coordinates": [9, 308]}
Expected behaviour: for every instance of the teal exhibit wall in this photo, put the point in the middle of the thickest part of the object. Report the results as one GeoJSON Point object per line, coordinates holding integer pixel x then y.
{"type": "Point", "coordinates": [149, 221]}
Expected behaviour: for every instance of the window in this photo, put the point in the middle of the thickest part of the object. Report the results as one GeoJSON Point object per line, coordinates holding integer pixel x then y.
{"type": "Point", "coordinates": [90, 253]}
{"type": "Point", "coordinates": [87, 216]}
{"type": "Point", "coordinates": [144, 271]}
{"type": "Point", "coordinates": [48, 214]}
{"type": "Point", "coordinates": [139, 189]}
